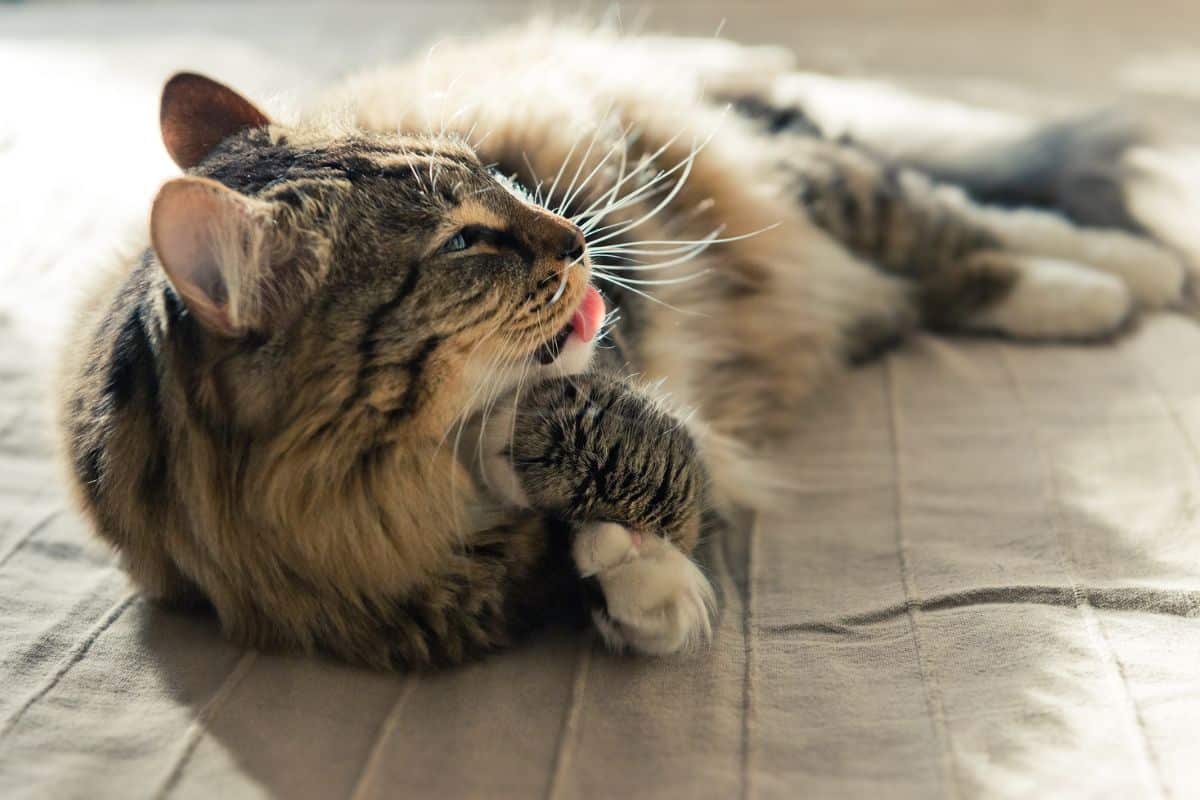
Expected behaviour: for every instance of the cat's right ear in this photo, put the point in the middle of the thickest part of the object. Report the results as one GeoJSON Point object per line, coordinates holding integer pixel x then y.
{"type": "Point", "coordinates": [197, 113]}
{"type": "Point", "coordinates": [215, 246]}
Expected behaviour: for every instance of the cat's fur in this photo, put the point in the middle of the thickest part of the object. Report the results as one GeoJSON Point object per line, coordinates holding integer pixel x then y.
{"type": "Point", "coordinates": [295, 407]}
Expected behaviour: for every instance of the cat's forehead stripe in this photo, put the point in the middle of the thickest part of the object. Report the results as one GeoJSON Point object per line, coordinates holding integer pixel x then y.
{"type": "Point", "coordinates": [263, 160]}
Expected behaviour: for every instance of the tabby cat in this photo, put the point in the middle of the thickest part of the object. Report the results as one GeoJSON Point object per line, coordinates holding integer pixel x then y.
{"type": "Point", "coordinates": [351, 394]}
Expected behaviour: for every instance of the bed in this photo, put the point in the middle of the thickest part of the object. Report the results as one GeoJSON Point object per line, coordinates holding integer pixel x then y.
{"type": "Point", "coordinates": [985, 582]}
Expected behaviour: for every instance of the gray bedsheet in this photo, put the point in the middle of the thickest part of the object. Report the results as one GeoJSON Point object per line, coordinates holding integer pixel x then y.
{"type": "Point", "coordinates": [985, 582]}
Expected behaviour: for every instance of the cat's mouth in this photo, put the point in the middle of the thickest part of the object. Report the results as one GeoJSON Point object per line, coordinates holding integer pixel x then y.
{"type": "Point", "coordinates": [584, 324]}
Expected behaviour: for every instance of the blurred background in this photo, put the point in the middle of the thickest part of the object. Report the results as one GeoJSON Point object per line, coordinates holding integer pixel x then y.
{"type": "Point", "coordinates": [1085, 458]}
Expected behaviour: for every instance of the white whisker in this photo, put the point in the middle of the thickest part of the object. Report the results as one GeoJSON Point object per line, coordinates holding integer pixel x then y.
{"type": "Point", "coordinates": [567, 193]}
{"type": "Point", "coordinates": [691, 159]}
{"type": "Point", "coordinates": [624, 285]}
{"type": "Point", "coordinates": [563, 166]}
{"type": "Point", "coordinates": [643, 163]}
{"type": "Point", "coordinates": [659, 281]}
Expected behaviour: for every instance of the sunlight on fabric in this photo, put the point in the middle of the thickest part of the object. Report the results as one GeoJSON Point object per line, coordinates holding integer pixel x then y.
{"type": "Point", "coordinates": [88, 168]}
{"type": "Point", "coordinates": [1175, 74]}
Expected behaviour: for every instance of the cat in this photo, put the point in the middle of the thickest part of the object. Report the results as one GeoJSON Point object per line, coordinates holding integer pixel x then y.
{"type": "Point", "coordinates": [360, 393]}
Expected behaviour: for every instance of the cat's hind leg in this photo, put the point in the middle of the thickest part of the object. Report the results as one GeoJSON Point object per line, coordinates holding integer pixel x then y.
{"type": "Point", "coordinates": [1024, 273]}
{"type": "Point", "coordinates": [1155, 276]}
{"type": "Point", "coordinates": [1076, 166]}
{"type": "Point", "coordinates": [1047, 298]}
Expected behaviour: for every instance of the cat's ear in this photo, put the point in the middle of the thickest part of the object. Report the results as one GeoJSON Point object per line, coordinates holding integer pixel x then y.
{"type": "Point", "coordinates": [215, 246]}
{"type": "Point", "coordinates": [197, 113]}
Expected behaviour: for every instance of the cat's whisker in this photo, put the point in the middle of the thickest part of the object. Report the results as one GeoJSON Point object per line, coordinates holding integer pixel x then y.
{"type": "Point", "coordinates": [568, 192]}
{"type": "Point", "coordinates": [490, 386]}
{"type": "Point", "coordinates": [537, 189]}
{"type": "Point", "coordinates": [476, 145]}
{"type": "Point", "coordinates": [713, 237]}
{"type": "Point", "coordinates": [618, 143]}
{"type": "Point", "coordinates": [468, 407]}
{"type": "Point", "coordinates": [489, 406]}
{"type": "Point", "coordinates": [609, 196]}
{"type": "Point", "coordinates": [645, 172]}
{"type": "Point", "coordinates": [678, 187]}
{"type": "Point", "coordinates": [678, 220]}
{"type": "Point", "coordinates": [687, 163]}
{"type": "Point", "coordinates": [512, 434]}
{"type": "Point", "coordinates": [643, 164]}
{"type": "Point", "coordinates": [466, 137]}
{"type": "Point", "coordinates": [664, 281]}
{"type": "Point", "coordinates": [484, 190]}
{"type": "Point", "coordinates": [592, 220]}
{"type": "Point", "coordinates": [654, 248]}
{"type": "Point", "coordinates": [651, 189]}
{"type": "Point", "coordinates": [619, 256]}
{"type": "Point", "coordinates": [690, 250]}
{"type": "Point", "coordinates": [563, 166]}
{"type": "Point", "coordinates": [463, 416]}
{"type": "Point", "coordinates": [625, 285]}
{"type": "Point", "coordinates": [412, 165]}
{"type": "Point", "coordinates": [637, 266]}
{"type": "Point", "coordinates": [562, 286]}
{"type": "Point", "coordinates": [607, 325]}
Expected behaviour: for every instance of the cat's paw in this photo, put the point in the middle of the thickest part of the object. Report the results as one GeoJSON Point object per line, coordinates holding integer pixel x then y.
{"type": "Point", "coordinates": [1054, 299]}
{"type": "Point", "coordinates": [1155, 276]}
{"type": "Point", "coordinates": [657, 601]}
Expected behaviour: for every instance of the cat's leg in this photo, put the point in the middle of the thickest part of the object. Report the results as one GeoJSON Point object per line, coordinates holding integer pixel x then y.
{"type": "Point", "coordinates": [625, 474]}
{"type": "Point", "coordinates": [1155, 276]}
{"type": "Point", "coordinates": [964, 266]}
{"type": "Point", "coordinates": [656, 600]}
{"type": "Point", "coordinates": [1045, 298]}
{"type": "Point", "coordinates": [1076, 166]}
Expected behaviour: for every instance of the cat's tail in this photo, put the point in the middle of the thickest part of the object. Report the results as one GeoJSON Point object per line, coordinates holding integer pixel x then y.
{"type": "Point", "coordinates": [1077, 167]}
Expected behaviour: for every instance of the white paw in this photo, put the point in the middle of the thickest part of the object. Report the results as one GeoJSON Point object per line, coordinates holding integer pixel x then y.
{"type": "Point", "coordinates": [1055, 299]}
{"type": "Point", "coordinates": [658, 600]}
{"type": "Point", "coordinates": [1154, 275]}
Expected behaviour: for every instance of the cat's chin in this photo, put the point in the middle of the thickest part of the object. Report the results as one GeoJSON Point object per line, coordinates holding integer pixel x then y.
{"type": "Point", "coordinates": [573, 358]}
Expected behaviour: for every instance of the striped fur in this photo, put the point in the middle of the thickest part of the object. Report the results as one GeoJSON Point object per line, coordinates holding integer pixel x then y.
{"type": "Point", "coordinates": [348, 444]}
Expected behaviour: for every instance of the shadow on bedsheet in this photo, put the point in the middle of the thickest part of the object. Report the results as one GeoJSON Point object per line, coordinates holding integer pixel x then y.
{"type": "Point", "coordinates": [942, 677]}
{"type": "Point", "coordinates": [962, 677]}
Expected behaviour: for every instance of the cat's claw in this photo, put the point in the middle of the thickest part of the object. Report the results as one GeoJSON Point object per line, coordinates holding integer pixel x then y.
{"type": "Point", "coordinates": [657, 599]}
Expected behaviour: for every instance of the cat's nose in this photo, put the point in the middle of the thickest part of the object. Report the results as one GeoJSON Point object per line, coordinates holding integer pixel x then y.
{"type": "Point", "coordinates": [572, 244]}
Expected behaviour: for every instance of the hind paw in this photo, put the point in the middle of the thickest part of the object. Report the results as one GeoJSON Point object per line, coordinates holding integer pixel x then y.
{"type": "Point", "coordinates": [1055, 299]}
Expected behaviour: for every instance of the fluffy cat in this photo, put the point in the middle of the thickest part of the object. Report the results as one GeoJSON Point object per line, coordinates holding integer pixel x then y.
{"type": "Point", "coordinates": [350, 395]}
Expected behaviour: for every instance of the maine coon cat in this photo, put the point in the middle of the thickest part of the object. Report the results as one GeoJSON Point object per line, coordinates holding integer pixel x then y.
{"type": "Point", "coordinates": [351, 394]}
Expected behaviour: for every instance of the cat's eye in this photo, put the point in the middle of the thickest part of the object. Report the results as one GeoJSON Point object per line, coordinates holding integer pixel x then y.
{"type": "Point", "coordinates": [455, 243]}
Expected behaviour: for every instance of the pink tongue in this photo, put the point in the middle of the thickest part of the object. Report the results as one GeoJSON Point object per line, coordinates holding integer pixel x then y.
{"type": "Point", "coordinates": [589, 315]}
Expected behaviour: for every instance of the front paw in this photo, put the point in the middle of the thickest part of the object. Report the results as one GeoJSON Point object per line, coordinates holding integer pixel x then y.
{"type": "Point", "coordinates": [592, 448]}
{"type": "Point", "coordinates": [656, 599]}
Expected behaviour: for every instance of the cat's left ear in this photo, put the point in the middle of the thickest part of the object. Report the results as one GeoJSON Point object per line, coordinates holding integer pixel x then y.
{"type": "Point", "coordinates": [222, 251]}
{"type": "Point", "coordinates": [197, 113]}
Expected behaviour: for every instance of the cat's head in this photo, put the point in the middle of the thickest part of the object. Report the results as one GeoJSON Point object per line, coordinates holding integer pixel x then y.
{"type": "Point", "coordinates": [354, 278]}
